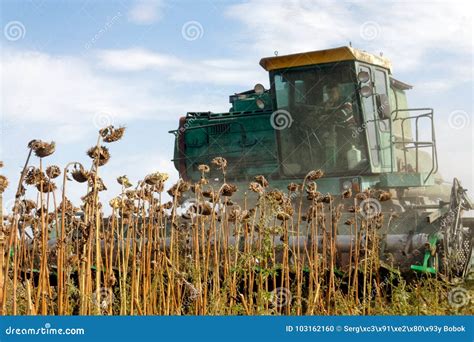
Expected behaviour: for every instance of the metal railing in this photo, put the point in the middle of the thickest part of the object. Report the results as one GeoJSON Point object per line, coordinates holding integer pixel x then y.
{"type": "Point", "coordinates": [414, 143]}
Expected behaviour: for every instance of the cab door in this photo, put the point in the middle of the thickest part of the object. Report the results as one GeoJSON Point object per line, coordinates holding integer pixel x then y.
{"type": "Point", "coordinates": [381, 96]}
{"type": "Point", "coordinates": [377, 127]}
{"type": "Point", "coordinates": [370, 123]}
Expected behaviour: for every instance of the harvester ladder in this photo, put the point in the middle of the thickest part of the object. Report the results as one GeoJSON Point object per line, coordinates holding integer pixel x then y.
{"type": "Point", "coordinates": [408, 144]}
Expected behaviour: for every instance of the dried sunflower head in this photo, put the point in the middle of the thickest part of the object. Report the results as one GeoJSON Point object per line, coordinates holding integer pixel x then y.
{"type": "Point", "coordinates": [200, 209]}
{"type": "Point", "coordinates": [156, 178]}
{"type": "Point", "coordinates": [313, 195]}
{"type": "Point", "coordinates": [256, 187]}
{"type": "Point", "coordinates": [34, 176]}
{"type": "Point", "coordinates": [68, 207]}
{"type": "Point", "coordinates": [314, 175]}
{"type": "Point", "coordinates": [178, 188]}
{"type": "Point", "coordinates": [41, 211]}
{"type": "Point", "coordinates": [220, 162]}
{"type": "Point", "coordinates": [158, 187]}
{"type": "Point", "coordinates": [3, 183]}
{"type": "Point", "coordinates": [228, 189]}
{"type": "Point", "coordinates": [261, 180]}
{"type": "Point", "coordinates": [326, 198]}
{"type": "Point", "coordinates": [276, 195]}
{"type": "Point", "coordinates": [98, 182]}
{"type": "Point", "coordinates": [41, 148]}
{"type": "Point", "coordinates": [353, 209]}
{"type": "Point", "coordinates": [235, 214]}
{"type": "Point", "coordinates": [312, 186]}
{"type": "Point", "coordinates": [347, 193]}
{"type": "Point", "coordinates": [79, 174]}
{"type": "Point", "coordinates": [28, 205]}
{"type": "Point", "coordinates": [293, 187]}
{"type": "Point", "coordinates": [167, 205]}
{"type": "Point", "coordinates": [210, 194]}
{"type": "Point", "coordinates": [204, 209]}
{"type": "Point", "coordinates": [123, 180]}
{"type": "Point", "coordinates": [283, 216]}
{"type": "Point", "coordinates": [99, 153]}
{"type": "Point", "coordinates": [115, 202]}
{"type": "Point", "coordinates": [204, 168]}
{"type": "Point", "coordinates": [46, 186]}
{"type": "Point", "coordinates": [384, 196]}
{"type": "Point", "coordinates": [131, 194]}
{"type": "Point", "coordinates": [111, 134]}
{"type": "Point", "coordinates": [53, 171]}
{"type": "Point", "coordinates": [361, 196]}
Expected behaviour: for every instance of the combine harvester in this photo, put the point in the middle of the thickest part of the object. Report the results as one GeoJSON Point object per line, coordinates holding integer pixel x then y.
{"type": "Point", "coordinates": [341, 111]}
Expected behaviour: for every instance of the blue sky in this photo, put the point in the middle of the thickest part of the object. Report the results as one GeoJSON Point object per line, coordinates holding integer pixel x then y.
{"type": "Point", "coordinates": [69, 66]}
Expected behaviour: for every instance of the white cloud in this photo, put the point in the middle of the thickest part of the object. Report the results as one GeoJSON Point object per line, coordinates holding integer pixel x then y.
{"type": "Point", "coordinates": [242, 72]}
{"type": "Point", "coordinates": [37, 87]}
{"type": "Point", "coordinates": [146, 12]}
{"type": "Point", "coordinates": [407, 32]}
{"type": "Point", "coordinates": [72, 97]}
{"type": "Point", "coordinates": [135, 59]}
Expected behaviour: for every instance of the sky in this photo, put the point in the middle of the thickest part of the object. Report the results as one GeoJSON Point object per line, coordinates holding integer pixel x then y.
{"type": "Point", "coordinates": [68, 68]}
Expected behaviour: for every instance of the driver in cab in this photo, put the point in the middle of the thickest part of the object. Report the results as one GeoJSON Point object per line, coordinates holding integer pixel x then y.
{"type": "Point", "coordinates": [336, 105]}
{"type": "Point", "coordinates": [339, 120]}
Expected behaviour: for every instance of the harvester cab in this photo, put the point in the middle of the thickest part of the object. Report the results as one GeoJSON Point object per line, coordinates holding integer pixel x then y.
{"type": "Point", "coordinates": [342, 111]}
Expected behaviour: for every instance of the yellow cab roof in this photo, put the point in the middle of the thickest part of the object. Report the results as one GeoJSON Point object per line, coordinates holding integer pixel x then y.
{"type": "Point", "coordinates": [339, 54]}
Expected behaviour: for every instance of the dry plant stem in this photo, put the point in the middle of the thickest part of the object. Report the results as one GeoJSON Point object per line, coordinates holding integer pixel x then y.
{"type": "Point", "coordinates": [31, 307]}
{"type": "Point", "coordinates": [364, 285]}
{"type": "Point", "coordinates": [223, 261]}
{"type": "Point", "coordinates": [62, 244]}
{"type": "Point", "coordinates": [2, 254]}
{"type": "Point", "coordinates": [13, 232]}
{"type": "Point", "coordinates": [97, 217]}
{"type": "Point", "coordinates": [44, 244]}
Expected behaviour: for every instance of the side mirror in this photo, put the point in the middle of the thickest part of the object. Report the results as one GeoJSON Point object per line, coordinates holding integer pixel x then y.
{"type": "Point", "coordinates": [363, 76]}
{"type": "Point", "coordinates": [366, 91]}
{"type": "Point", "coordinates": [383, 106]}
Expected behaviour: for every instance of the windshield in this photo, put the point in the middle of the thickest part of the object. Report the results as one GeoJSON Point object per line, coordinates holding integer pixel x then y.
{"type": "Point", "coordinates": [325, 130]}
